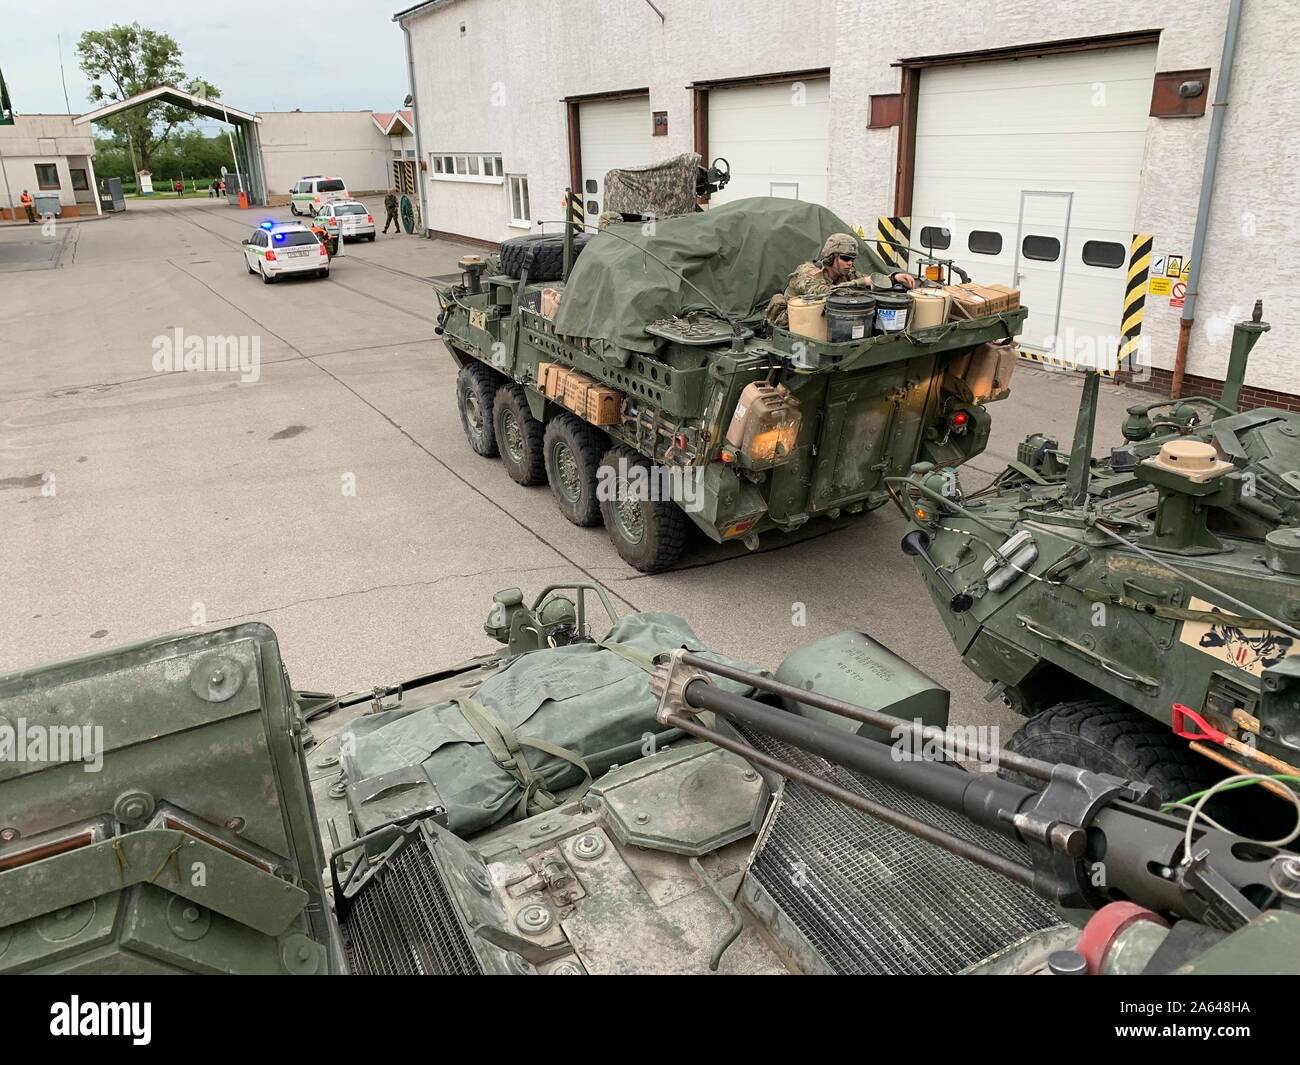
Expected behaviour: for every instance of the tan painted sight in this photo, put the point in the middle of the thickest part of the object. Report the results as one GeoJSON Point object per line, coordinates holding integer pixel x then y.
{"type": "Point", "coordinates": [1194, 459]}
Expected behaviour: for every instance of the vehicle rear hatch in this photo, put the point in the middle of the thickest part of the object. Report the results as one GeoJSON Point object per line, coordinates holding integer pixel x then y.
{"type": "Point", "coordinates": [331, 190]}
{"type": "Point", "coordinates": [295, 245]}
{"type": "Point", "coordinates": [352, 218]}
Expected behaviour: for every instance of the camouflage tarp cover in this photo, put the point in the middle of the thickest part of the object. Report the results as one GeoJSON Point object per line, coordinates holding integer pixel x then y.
{"type": "Point", "coordinates": [739, 255]}
{"type": "Point", "coordinates": [582, 697]}
{"type": "Point", "coordinates": [662, 190]}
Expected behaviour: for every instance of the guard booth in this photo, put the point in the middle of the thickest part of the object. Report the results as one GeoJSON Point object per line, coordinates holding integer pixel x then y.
{"type": "Point", "coordinates": [245, 143]}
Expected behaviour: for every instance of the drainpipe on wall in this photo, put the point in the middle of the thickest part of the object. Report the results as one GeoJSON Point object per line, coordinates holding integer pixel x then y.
{"type": "Point", "coordinates": [1207, 191]}
{"type": "Point", "coordinates": [415, 122]}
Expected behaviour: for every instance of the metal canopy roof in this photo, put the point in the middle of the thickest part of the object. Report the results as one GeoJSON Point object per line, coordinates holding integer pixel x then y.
{"type": "Point", "coordinates": [169, 94]}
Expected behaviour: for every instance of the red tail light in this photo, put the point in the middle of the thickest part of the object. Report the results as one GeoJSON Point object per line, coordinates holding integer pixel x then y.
{"type": "Point", "coordinates": [324, 250]}
{"type": "Point", "coordinates": [371, 219]}
{"type": "Point", "coordinates": [270, 256]}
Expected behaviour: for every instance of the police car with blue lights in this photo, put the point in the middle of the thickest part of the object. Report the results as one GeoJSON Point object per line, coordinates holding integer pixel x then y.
{"type": "Point", "coordinates": [279, 248]}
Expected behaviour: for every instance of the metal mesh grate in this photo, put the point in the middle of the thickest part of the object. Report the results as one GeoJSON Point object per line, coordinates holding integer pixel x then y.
{"type": "Point", "coordinates": [403, 923]}
{"type": "Point", "coordinates": [872, 899]}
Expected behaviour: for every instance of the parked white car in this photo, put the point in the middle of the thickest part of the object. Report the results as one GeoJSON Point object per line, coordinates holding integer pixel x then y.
{"type": "Point", "coordinates": [315, 189]}
{"type": "Point", "coordinates": [349, 219]}
{"type": "Point", "coordinates": [278, 248]}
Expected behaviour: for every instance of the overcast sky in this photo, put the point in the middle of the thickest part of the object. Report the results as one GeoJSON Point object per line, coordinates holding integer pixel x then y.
{"type": "Point", "coordinates": [262, 56]}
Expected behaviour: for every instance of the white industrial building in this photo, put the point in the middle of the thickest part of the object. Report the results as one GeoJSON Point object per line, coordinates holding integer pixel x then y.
{"type": "Point", "coordinates": [47, 156]}
{"type": "Point", "coordinates": [371, 151]}
{"type": "Point", "coordinates": [1054, 146]}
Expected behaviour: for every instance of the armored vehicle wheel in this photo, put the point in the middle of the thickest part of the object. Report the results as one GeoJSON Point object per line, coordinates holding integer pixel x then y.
{"type": "Point", "coordinates": [1107, 737]}
{"type": "Point", "coordinates": [475, 391]}
{"type": "Point", "coordinates": [546, 250]}
{"type": "Point", "coordinates": [519, 436]}
{"type": "Point", "coordinates": [648, 534]}
{"type": "Point", "coordinates": [573, 451]}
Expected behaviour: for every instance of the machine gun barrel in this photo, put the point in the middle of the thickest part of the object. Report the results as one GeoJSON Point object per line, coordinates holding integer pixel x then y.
{"type": "Point", "coordinates": [1022, 874]}
{"type": "Point", "coordinates": [1077, 823]}
{"type": "Point", "coordinates": [1019, 763]}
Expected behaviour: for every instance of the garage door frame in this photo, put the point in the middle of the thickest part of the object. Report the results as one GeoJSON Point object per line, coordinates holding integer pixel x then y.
{"type": "Point", "coordinates": [573, 120]}
{"type": "Point", "coordinates": [700, 100]}
{"type": "Point", "coordinates": [905, 169]}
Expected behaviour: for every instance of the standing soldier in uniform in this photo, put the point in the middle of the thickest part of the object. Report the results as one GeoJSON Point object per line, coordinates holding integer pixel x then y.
{"type": "Point", "coordinates": [834, 269]}
{"type": "Point", "coordinates": [390, 207]}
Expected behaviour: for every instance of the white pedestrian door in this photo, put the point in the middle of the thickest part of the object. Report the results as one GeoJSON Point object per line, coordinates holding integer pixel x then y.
{"type": "Point", "coordinates": [1042, 250]}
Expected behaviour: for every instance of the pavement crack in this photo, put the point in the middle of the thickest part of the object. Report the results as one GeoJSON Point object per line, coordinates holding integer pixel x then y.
{"type": "Point", "coordinates": [374, 588]}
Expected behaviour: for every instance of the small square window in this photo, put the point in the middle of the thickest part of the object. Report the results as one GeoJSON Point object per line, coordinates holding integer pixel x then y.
{"type": "Point", "coordinates": [935, 238]}
{"type": "Point", "coordinates": [79, 180]}
{"type": "Point", "coordinates": [1104, 253]}
{"type": "Point", "coordinates": [437, 164]}
{"type": "Point", "coordinates": [47, 176]}
{"type": "Point", "coordinates": [1042, 249]}
{"type": "Point", "coordinates": [984, 242]}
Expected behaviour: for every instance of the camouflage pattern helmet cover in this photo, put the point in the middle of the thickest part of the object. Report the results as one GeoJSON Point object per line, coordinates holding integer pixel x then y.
{"type": "Point", "coordinates": [839, 244]}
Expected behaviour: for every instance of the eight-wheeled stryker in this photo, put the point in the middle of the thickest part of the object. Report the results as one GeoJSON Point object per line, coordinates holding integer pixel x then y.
{"type": "Point", "coordinates": [571, 805]}
{"type": "Point", "coordinates": [622, 380]}
{"type": "Point", "coordinates": [1129, 603]}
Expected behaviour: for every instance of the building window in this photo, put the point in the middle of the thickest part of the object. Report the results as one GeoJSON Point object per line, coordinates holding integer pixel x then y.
{"type": "Point", "coordinates": [1043, 249]}
{"type": "Point", "coordinates": [466, 166]}
{"type": "Point", "coordinates": [47, 176]}
{"type": "Point", "coordinates": [934, 237]}
{"type": "Point", "coordinates": [519, 212]}
{"type": "Point", "coordinates": [984, 242]}
{"type": "Point", "coordinates": [82, 184]}
{"type": "Point", "coordinates": [1101, 253]}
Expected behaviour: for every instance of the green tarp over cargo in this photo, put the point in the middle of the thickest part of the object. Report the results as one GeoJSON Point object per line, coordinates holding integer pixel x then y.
{"type": "Point", "coordinates": [737, 255]}
{"type": "Point", "coordinates": [583, 698]}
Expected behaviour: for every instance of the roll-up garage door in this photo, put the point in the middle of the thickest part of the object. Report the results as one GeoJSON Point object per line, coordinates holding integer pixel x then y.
{"type": "Point", "coordinates": [614, 134]}
{"type": "Point", "coordinates": [1027, 173]}
{"type": "Point", "coordinates": [775, 136]}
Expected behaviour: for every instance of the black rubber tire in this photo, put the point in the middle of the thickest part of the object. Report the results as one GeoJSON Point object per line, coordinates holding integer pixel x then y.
{"type": "Point", "coordinates": [267, 279]}
{"type": "Point", "coordinates": [519, 436]}
{"type": "Point", "coordinates": [663, 525]}
{"type": "Point", "coordinates": [542, 253]}
{"type": "Point", "coordinates": [249, 268]}
{"type": "Point", "coordinates": [585, 444]}
{"type": "Point", "coordinates": [1108, 737]}
{"type": "Point", "coordinates": [370, 237]}
{"type": "Point", "coordinates": [476, 388]}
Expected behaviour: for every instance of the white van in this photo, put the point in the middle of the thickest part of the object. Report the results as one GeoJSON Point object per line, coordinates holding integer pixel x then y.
{"type": "Point", "coordinates": [313, 190]}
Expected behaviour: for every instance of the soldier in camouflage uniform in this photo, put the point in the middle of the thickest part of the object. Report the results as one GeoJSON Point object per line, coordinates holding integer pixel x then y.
{"type": "Point", "coordinates": [834, 269]}
{"type": "Point", "coordinates": [390, 212]}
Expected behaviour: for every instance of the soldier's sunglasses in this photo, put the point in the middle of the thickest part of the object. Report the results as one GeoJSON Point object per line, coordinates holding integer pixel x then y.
{"type": "Point", "coordinates": [850, 259]}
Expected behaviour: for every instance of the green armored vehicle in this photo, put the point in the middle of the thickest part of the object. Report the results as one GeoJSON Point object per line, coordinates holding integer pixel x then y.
{"type": "Point", "coordinates": [1130, 603]}
{"type": "Point", "coordinates": [601, 795]}
{"type": "Point", "coordinates": [644, 385]}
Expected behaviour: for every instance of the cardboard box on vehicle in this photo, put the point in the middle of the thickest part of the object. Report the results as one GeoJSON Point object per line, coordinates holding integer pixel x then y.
{"type": "Point", "coordinates": [589, 399]}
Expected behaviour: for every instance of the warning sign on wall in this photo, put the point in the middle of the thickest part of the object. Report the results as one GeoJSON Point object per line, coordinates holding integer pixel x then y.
{"type": "Point", "coordinates": [1161, 286]}
{"type": "Point", "coordinates": [1175, 266]}
{"type": "Point", "coordinates": [1178, 294]}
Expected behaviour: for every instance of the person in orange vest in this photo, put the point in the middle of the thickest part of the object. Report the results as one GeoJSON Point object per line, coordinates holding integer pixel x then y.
{"type": "Point", "coordinates": [26, 200]}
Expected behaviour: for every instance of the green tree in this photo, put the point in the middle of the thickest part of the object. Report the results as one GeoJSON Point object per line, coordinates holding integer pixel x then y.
{"type": "Point", "coordinates": [122, 61]}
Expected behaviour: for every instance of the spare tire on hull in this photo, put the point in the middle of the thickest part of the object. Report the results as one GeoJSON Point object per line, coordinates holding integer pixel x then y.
{"type": "Point", "coordinates": [541, 253]}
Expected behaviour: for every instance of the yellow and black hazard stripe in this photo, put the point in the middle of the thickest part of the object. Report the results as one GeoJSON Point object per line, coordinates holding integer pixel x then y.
{"type": "Point", "coordinates": [1058, 363]}
{"type": "Point", "coordinates": [1135, 297]}
{"type": "Point", "coordinates": [576, 215]}
{"type": "Point", "coordinates": [893, 238]}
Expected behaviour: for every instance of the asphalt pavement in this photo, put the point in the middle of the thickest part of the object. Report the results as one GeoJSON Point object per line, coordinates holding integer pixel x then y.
{"type": "Point", "coordinates": [331, 494]}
